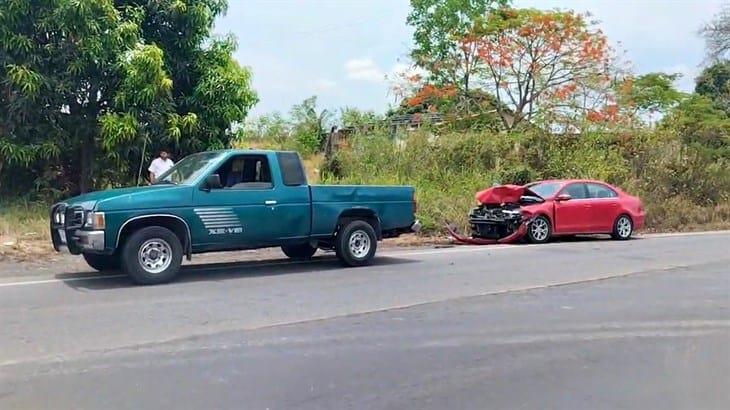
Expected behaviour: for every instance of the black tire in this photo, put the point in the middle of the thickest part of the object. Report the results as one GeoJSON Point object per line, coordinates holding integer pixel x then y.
{"type": "Point", "coordinates": [102, 263]}
{"type": "Point", "coordinates": [299, 251]}
{"type": "Point", "coordinates": [540, 230]}
{"type": "Point", "coordinates": [356, 255]}
{"type": "Point", "coordinates": [623, 228]}
{"type": "Point", "coordinates": [146, 240]}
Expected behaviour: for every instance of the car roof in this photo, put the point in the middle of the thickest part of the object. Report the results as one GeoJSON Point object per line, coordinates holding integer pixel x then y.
{"type": "Point", "coordinates": [567, 181]}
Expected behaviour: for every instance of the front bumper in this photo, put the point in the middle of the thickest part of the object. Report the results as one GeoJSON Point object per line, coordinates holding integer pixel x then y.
{"type": "Point", "coordinates": [89, 240]}
{"type": "Point", "coordinates": [67, 233]}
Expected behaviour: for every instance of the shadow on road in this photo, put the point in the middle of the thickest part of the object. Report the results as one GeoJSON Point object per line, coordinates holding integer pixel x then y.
{"type": "Point", "coordinates": [223, 271]}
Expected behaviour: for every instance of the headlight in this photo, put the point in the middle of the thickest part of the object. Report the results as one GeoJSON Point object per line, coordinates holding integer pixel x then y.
{"type": "Point", "coordinates": [95, 220]}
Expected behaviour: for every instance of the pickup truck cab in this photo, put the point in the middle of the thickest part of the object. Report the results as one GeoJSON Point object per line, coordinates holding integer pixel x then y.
{"type": "Point", "coordinates": [228, 200]}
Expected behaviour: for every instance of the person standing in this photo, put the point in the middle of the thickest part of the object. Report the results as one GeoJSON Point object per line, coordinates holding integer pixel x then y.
{"type": "Point", "coordinates": [160, 165]}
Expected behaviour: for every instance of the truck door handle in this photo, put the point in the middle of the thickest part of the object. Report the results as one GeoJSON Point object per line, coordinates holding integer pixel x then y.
{"type": "Point", "coordinates": [270, 202]}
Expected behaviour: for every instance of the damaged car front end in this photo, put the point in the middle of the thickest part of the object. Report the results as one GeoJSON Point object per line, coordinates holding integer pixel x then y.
{"type": "Point", "coordinates": [502, 215]}
{"type": "Point", "coordinates": [501, 211]}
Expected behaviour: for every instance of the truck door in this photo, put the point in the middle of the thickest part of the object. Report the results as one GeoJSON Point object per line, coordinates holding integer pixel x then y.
{"type": "Point", "coordinates": [250, 210]}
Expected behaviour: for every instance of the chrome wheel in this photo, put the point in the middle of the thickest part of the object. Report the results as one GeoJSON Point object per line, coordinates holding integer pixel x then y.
{"type": "Point", "coordinates": [623, 227]}
{"type": "Point", "coordinates": [155, 255]}
{"type": "Point", "coordinates": [359, 244]}
{"type": "Point", "coordinates": [539, 229]}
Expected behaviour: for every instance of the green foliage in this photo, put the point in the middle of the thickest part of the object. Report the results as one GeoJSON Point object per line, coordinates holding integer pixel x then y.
{"type": "Point", "coordinates": [702, 125]}
{"type": "Point", "coordinates": [439, 26]}
{"type": "Point", "coordinates": [655, 92]}
{"type": "Point", "coordinates": [714, 83]}
{"type": "Point", "coordinates": [309, 125]}
{"type": "Point", "coordinates": [111, 82]}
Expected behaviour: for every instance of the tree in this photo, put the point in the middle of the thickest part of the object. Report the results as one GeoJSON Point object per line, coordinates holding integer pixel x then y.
{"type": "Point", "coordinates": [714, 83]}
{"type": "Point", "coordinates": [543, 62]}
{"type": "Point", "coordinates": [439, 25]}
{"type": "Point", "coordinates": [309, 125]}
{"type": "Point", "coordinates": [85, 82]}
{"type": "Point", "coordinates": [717, 35]}
{"type": "Point", "coordinates": [652, 93]}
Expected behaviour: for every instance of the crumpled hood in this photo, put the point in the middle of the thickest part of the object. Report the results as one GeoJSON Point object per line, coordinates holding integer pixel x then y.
{"type": "Point", "coordinates": [134, 197]}
{"type": "Point", "coordinates": [503, 194]}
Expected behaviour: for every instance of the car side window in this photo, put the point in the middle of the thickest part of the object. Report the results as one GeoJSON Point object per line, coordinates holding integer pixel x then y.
{"type": "Point", "coordinates": [596, 191]}
{"type": "Point", "coordinates": [576, 191]}
{"type": "Point", "coordinates": [246, 172]}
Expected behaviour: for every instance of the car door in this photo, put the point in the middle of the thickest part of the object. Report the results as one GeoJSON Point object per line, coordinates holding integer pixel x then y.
{"type": "Point", "coordinates": [605, 207]}
{"type": "Point", "coordinates": [573, 215]}
{"type": "Point", "coordinates": [241, 213]}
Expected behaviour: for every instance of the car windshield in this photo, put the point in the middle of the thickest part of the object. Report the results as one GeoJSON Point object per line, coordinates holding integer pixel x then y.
{"type": "Point", "coordinates": [545, 189]}
{"type": "Point", "coordinates": [188, 169]}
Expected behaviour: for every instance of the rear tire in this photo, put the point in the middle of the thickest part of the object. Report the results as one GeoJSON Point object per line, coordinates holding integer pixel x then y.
{"type": "Point", "coordinates": [356, 243]}
{"type": "Point", "coordinates": [539, 230]}
{"type": "Point", "coordinates": [623, 228]}
{"type": "Point", "coordinates": [301, 251]}
{"type": "Point", "coordinates": [152, 255]}
{"type": "Point", "coordinates": [102, 263]}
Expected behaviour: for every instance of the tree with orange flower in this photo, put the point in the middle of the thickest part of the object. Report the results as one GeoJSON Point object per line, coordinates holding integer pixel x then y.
{"type": "Point", "coordinates": [543, 65]}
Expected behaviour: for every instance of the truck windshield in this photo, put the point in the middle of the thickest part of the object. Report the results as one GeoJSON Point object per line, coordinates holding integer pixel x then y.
{"type": "Point", "coordinates": [188, 169]}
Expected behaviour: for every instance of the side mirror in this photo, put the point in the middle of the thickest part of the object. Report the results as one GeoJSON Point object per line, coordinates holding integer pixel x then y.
{"type": "Point", "coordinates": [563, 197]}
{"type": "Point", "coordinates": [213, 181]}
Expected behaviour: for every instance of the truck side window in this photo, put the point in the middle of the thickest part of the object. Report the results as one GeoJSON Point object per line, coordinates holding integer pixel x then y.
{"type": "Point", "coordinates": [246, 172]}
{"type": "Point", "coordinates": [291, 168]}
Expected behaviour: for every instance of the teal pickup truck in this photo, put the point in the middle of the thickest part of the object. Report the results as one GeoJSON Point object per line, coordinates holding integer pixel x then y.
{"type": "Point", "coordinates": [228, 200]}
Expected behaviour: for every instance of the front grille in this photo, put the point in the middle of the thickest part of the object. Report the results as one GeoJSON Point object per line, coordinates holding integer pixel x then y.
{"type": "Point", "coordinates": [74, 218]}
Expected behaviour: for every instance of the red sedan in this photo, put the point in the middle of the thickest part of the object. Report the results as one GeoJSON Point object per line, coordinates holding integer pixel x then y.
{"type": "Point", "coordinates": [555, 208]}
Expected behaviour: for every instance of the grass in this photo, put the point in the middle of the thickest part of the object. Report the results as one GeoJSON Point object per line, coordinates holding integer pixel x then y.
{"type": "Point", "coordinates": [24, 229]}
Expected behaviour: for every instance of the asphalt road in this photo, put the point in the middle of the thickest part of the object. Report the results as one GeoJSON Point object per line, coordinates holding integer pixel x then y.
{"type": "Point", "coordinates": [573, 325]}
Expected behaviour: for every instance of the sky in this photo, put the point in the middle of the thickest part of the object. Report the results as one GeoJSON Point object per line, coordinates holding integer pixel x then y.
{"type": "Point", "coordinates": [343, 50]}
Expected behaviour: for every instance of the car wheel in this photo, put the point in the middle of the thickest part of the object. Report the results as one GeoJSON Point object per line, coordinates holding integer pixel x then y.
{"type": "Point", "coordinates": [356, 243]}
{"type": "Point", "coordinates": [539, 230]}
{"type": "Point", "coordinates": [152, 255]}
{"type": "Point", "coordinates": [622, 228]}
{"type": "Point", "coordinates": [102, 262]}
{"type": "Point", "coordinates": [299, 251]}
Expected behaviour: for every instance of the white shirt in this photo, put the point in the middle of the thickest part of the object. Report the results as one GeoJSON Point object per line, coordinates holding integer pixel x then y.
{"type": "Point", "coordinates": [160, 166]}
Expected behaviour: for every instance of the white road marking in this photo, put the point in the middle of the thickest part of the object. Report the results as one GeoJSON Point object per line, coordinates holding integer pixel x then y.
{"type": "Point", "coordinates": [438, 251]}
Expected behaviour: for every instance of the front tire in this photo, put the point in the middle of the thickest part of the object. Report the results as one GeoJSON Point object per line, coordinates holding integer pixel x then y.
{"type": "Point", "coordinates": [539, 230]}
{"type": "Point", "coordinates": [356, 243]}
{"type": "Point", "coordinates": [302, 251]}
{"type": "Point", "coordinates": [623, 228]}
{"type": "Point", "coordinates": [102, 263]}
{"type": "Point", "coordinates": [152, 255]}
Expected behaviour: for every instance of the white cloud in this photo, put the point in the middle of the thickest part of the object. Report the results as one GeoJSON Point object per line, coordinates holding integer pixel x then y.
{"type": "Point", "coordinates": [364, 69]}
{"type": "Point", "coordinates": [324, 84]}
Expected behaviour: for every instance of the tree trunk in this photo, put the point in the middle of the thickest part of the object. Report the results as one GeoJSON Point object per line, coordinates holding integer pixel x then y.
{"type": "Point", "coordinates": [86, 164]}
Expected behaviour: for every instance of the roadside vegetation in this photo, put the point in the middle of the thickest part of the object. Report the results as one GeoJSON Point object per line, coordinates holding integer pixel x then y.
{"type": "Point", "coordinates": [498, 95]}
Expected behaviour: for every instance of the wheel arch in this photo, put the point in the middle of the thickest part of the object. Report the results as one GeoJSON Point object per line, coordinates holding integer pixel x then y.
{"type": "Point", "coordinates": [366, 214]}
{"type": "Point", "coordinates": [172, 222]}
